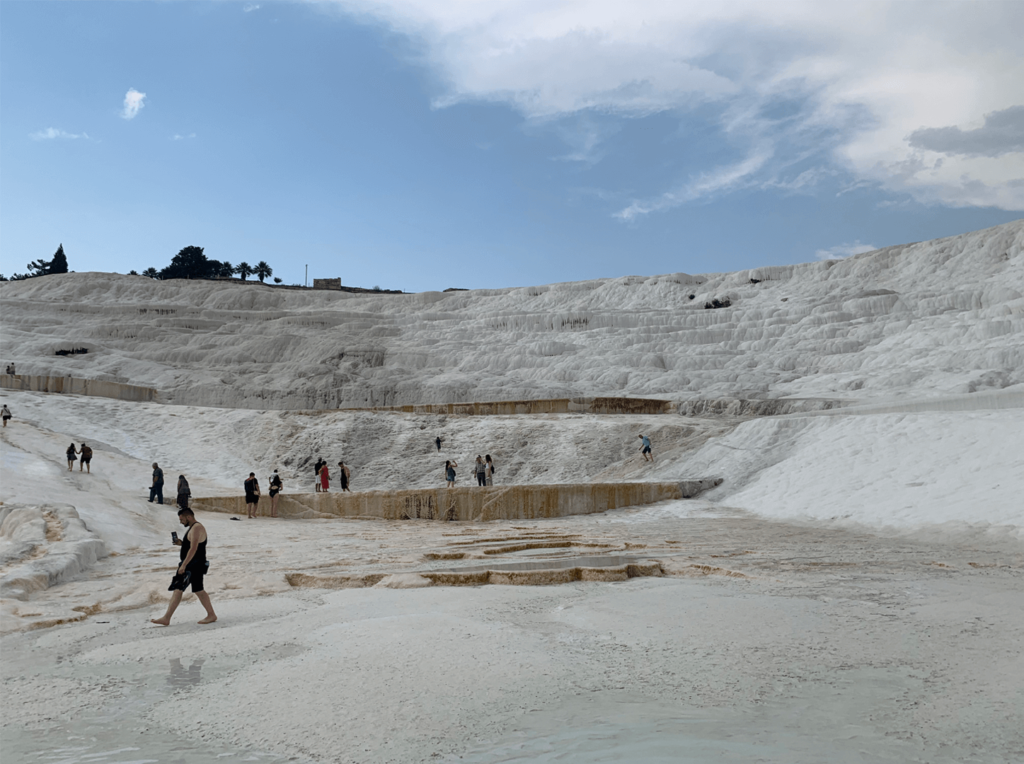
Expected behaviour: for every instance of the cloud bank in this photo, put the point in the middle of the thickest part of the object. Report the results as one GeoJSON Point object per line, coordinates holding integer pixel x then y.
{"type": "Point", "coordinates": [840, 251]}
{"type": "Point", "coordinates": [892, 94]}
{"type": "Point", "coordinates": [133, 103]}
{"type": "Point", "coordinates": [53, 134]}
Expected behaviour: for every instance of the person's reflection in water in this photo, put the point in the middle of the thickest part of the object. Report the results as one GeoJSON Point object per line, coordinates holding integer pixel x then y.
{"type": "Point", "coordinates": [181, 676]}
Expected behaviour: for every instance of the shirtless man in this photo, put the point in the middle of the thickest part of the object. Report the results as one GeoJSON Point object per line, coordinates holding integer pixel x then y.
{"type": "Point", "coordinates": [191, 570]}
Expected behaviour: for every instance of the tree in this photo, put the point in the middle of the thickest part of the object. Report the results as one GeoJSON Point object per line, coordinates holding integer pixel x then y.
{"type": "Point", "coordinates": [151, 273]}
{"type": "Point", "coordinates": [262, 270]}
{"type": "Point", "coordinates": [59, 263]}
{"type": "Point", "coordinates": [243, 269]}
{"type": "Point", "coordinates": [189, 263]}
{"type": "Point", "coordinates": [133, 273]}
{"type": "Point", "coordinates": [277, 280]}
{"type": "Point", "coordinates": [226, 269]}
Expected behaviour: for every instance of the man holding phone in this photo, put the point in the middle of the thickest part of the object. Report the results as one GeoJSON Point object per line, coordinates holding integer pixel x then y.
{"type": "Point", "coordinates": [191, 570]}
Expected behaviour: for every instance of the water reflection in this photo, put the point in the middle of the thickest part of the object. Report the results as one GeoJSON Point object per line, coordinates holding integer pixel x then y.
{"type": "Point", "coordinates": [185, 677]}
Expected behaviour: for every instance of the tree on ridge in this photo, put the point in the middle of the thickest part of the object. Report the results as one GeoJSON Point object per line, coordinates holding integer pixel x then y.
{"type": "Point", "coordinates": [151, 273]}
{"type": "Point", "coordinates": [262, 270]}
{"type": "Point", "coordinates": [243, 269]}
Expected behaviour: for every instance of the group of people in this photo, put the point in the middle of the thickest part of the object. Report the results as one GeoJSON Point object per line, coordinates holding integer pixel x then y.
{"type": "Point", "coordinates": [85, 452]}
{"type": "Point", "coordinates": [252, 493]}
{"type": "Point", "coordinates": [10, 369]}
{"type": "Point", "coordinates": [156, 490]}
{"type": "Point", "coordinates": [322, 476]}
{"type": "Point", "coordinates": [483, 468]}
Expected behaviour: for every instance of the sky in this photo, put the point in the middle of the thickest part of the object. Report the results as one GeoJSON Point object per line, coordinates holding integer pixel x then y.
{"type": "Point", "coordinates": [427, 144]}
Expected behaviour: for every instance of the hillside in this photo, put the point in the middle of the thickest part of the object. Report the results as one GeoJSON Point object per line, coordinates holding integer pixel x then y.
{"type": "Point", "coordinates": [935, 318]}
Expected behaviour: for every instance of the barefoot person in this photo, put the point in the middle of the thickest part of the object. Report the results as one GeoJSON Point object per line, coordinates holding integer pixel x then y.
{"type": "Point", "coordinates": [252, 494]}
{"type": "Point", "coordinates": [86, 462]}
{"type": "Point", "coordinates": [275, 488]}
{"type": "Point", "coordinates": [449, 473]}
{"type": "Point", "coordinates": [191, 570]}
{"type": "Point", "coordinates": [71, 456]}
{"type": "Point", "coordinates": [480, 469]}
{"type": "Point", "coordinates": [490, 469]}
{"type": "Point", "coordinates": [645, 448]}
{"type": "Point", "coordinates": [345, 476]}
{"type": "Point", "coordinates": [325, 479]}
{"type": "Point", "coordinates": [6, 414]}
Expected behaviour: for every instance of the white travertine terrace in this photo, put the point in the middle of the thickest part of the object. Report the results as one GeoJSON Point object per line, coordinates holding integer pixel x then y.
{"type": "Point", "coordinates": [935, 318]}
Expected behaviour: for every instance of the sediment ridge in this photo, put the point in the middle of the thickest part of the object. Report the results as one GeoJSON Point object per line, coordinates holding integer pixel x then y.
{"type": "Point", "coordinates": [519, 502]}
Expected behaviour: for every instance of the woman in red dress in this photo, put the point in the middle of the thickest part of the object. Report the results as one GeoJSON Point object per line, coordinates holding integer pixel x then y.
{"type": "Point", "coordinates": [324, 478]}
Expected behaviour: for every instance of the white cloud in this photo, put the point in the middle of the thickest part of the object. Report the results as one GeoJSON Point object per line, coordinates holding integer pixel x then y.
{"type": "Point", "coordinates": [133, 103]}
{"type": "Point", "coordinates": [720, 180]}
{"type": "Point", "coordinates": [250, 8]}
{"type": "Point", "coordinates": [867, 74]}
{"type": "Point", "coordinates": [179, 137]}
{"type": "Point", "coordinates": [52, 134]}
{"type": "Point", "coordinates": [840, 251]}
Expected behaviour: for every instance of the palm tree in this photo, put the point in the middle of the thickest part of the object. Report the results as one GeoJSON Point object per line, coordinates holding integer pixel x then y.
{"type": "Point", "coordinates": [150, 273]}
{"type": "Point", "coordinates": [262, 270]}
{"type": "Point", "coordinates": [243, 269]}
{"type": "Point", "coordinates": [226, 269]}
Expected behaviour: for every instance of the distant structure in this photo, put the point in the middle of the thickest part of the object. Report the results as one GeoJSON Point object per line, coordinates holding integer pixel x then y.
{"type": "Point", "coordinates": [327, 284]}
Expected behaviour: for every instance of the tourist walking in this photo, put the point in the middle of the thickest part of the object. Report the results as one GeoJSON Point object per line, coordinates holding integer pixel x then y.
{"type": "Point", "coordinates": [192, 569]}
{"type": "Point", "coordinates": [490, 469]}
{"type": "Point", "coordinates": [480, 468]}
{"type": "Point", "coordinates": [71, 457]}
{"type": "Point", "coordinates": [6, 414]}
{"type": "Point", "coordinates": [345, 476]}
{"type": "Point", "coordinates": [325, 479]}
{"type": "Point", "coordinates": [645, 447]}
{"type": "Point", "coordinates": [449, 473]}
{"type": "Point", "coordinates": [157, 488]}
{"type": "Point", "coordinates": [184, 492]}
{"type": "Point", "coordinates": [275, 489]}
{"type": "Point", "coordinates": [437, 442]}
{"type": "Point", "coordinates": [86, 461]}
{"type": "Point", "coordinates": [252, 494]}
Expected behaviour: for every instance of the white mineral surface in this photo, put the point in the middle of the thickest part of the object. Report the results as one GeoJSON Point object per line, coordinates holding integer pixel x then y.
{"type": "Point", "coordinates": [852, 592]}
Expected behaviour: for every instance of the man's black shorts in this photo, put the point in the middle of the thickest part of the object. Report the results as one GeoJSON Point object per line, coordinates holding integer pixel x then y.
{"type": "Point", "coordinates": [182, 581]}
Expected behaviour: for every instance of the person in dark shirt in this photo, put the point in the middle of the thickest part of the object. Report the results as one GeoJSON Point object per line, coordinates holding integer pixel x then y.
{"type": "Point", "coordinates": [191, 570]}
{"type": "Point", "coordinates": [252, 494]}
{"type": "Point", "coordinates": [157, 489]}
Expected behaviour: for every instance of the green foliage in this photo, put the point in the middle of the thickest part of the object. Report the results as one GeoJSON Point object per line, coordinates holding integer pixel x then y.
{"type": "Point", "coordinates": [133, 273]}
{"type": "Point", "coordinates": [262, 270]}
{"type": "Point", "coordinates": [277, 280]}
{"type": "Point", "coordinates": [244, 270]}
{"type": "Point", "coordinates": [59, 263]}
{"type": "Point", "coordinates": [151, 273]}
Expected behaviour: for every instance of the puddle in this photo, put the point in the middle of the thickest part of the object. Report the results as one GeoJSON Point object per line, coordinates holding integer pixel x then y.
{"type": "Point", "coordinates": [117, 732]}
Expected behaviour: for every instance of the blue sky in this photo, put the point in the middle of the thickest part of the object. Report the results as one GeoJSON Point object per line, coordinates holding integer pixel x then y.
{"type": "Point", "coordinates": [423, 145]}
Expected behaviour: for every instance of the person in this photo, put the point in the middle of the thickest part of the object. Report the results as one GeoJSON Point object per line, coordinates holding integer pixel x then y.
{"type": "Point", "coordinates": [345, 476]}
{"type": "Point", "coordinates": [437, 442]}
{"type": "Point", "coordinates": [325, 478]}
{"type": "Point", "coordinates": [480, 468]}
{"type": "Point", "coordinates": [184, 492]}
{"type": "Point", "coordinates": [191, 570]}
{"type": "Point", "coordinates": [490, 469]}
{"type": "Point", "coordinates": [275, 489]}
{"type": "Point", "coordinates": [645, 447]}
{"type": "Point", "coordinates": [316, 474]}
{"type": "Point", "coordinates": [71, 457]}
{"type": "Point", "coordinates": [157, 489]}
{"type": "Point", "coordinates": [6, 414]}
{"type": "Point", "coordinates": [86, 462]}
{"type": "Point", "coordinates": [449, 473]}
{"type": "Point", "coordinates": [252, 494]}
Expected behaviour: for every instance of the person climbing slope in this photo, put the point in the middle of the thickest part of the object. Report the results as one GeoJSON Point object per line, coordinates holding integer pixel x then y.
{"type": "Point", "coordinates": [6, 414]}
{"type": "Point", "coordinates": [645, 447]}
